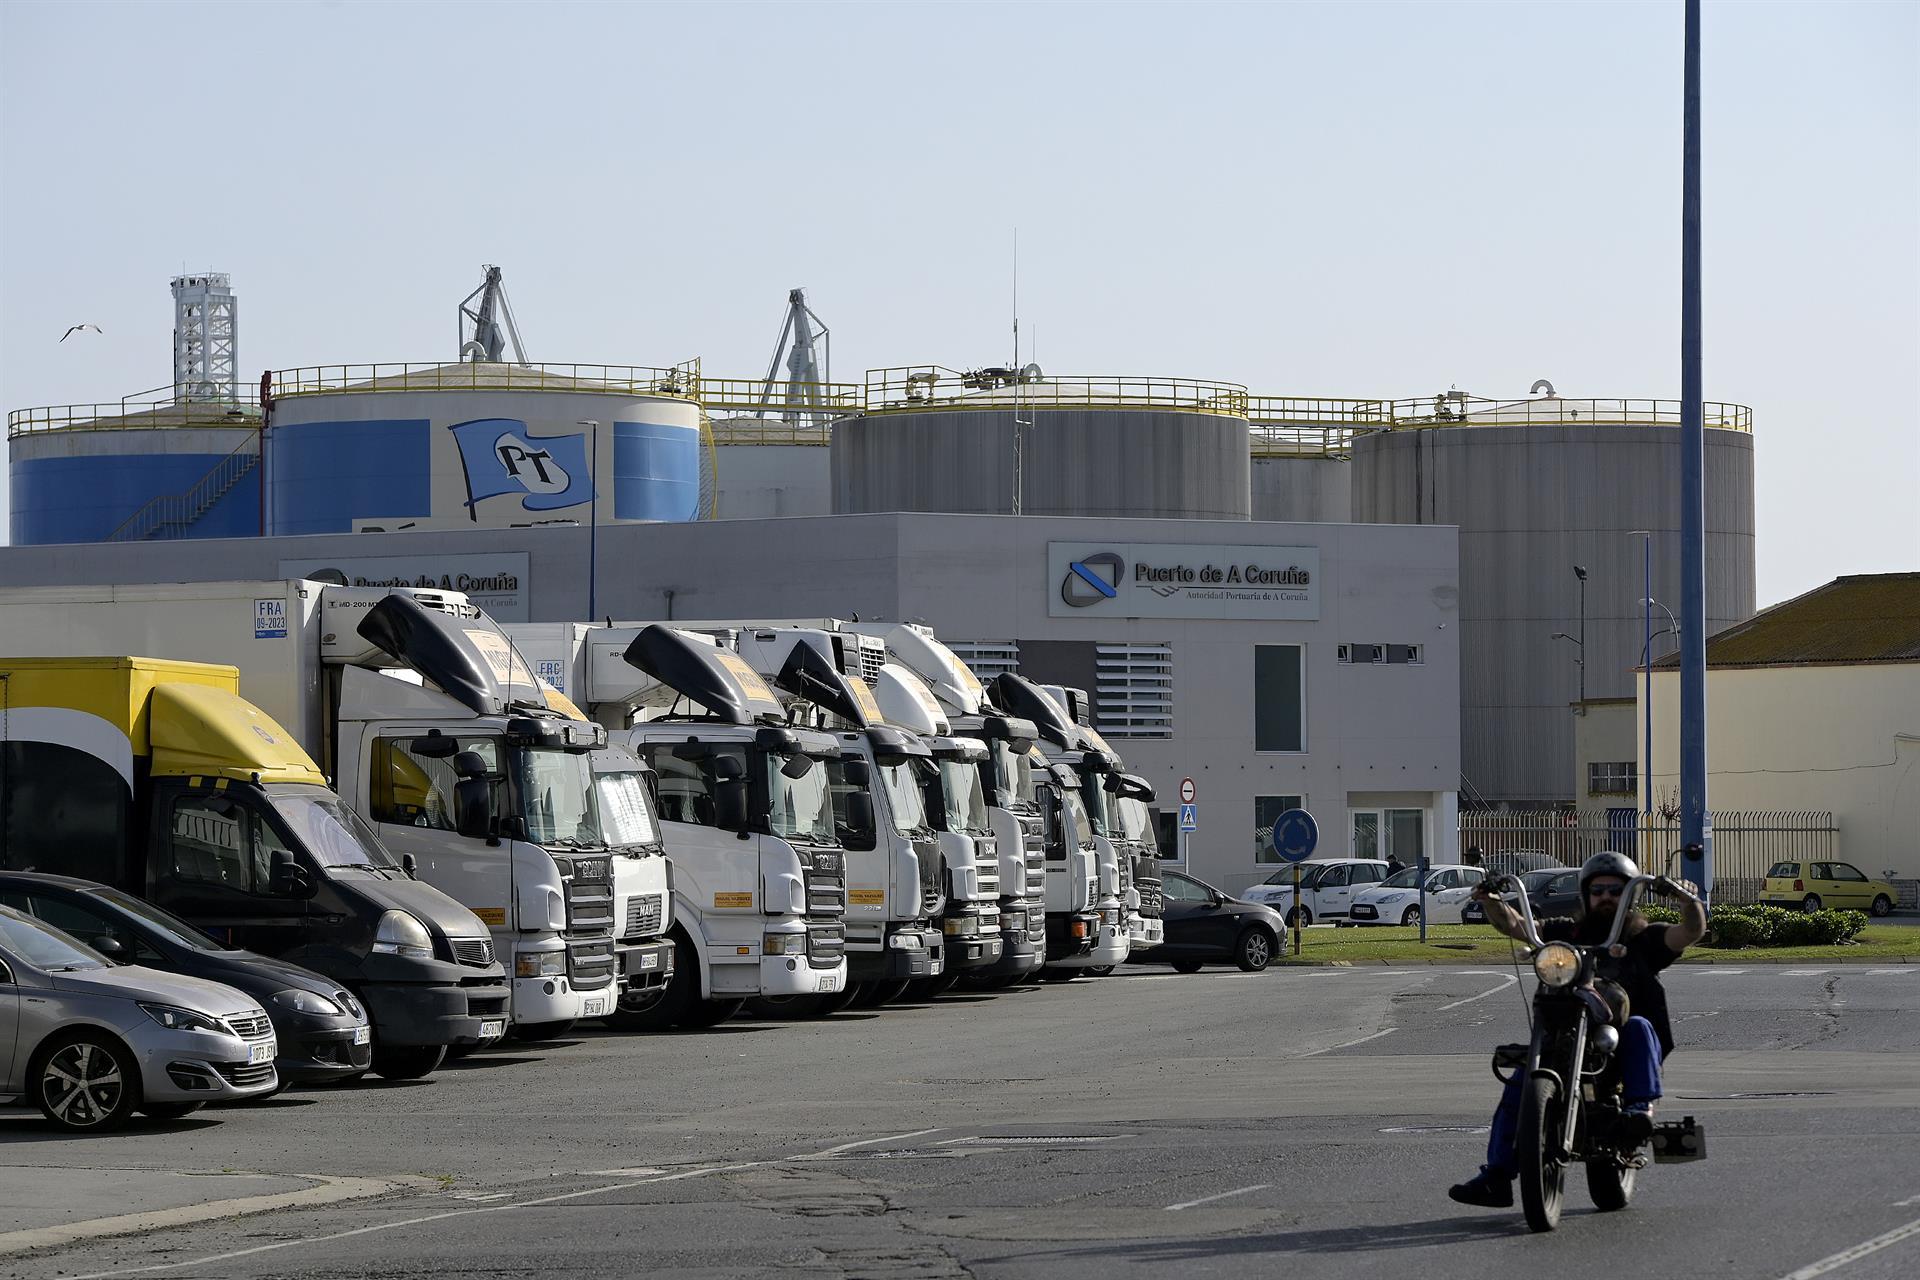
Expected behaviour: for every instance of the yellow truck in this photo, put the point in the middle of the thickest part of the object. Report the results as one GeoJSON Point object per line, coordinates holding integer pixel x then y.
{"type": "Point", "coordinates": [156, 777]}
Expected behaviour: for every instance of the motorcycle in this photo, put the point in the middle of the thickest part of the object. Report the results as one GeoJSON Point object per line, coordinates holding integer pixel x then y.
{"type": "Point", "coordinates": [1571, 1108]}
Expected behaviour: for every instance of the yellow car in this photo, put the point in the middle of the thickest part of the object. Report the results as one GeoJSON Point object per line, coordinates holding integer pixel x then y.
{"type": "Point", "coordinates": [1814, 885]}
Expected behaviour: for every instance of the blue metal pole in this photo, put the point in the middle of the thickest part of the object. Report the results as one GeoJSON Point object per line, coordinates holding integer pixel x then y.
{"type": "Point", "coordinates": [1696, 826]}
{"type": "Point", "coordinates": [1646, 664]}
{"type": "Point", "coordinates": [593, 529]}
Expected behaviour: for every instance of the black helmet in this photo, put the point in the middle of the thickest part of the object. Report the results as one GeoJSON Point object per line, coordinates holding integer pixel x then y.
{"type": "Point", "coordinates": [1607, 864]}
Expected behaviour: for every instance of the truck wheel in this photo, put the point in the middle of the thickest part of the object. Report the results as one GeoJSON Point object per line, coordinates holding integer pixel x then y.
{"type": "Point", "coordinates": [875, 994]}
{"type": "Point", "coordinates": [795, 1007]}
{"type": "Point", "coordinates": [407, 1061]}
{"type": "Point", "coordinates": [529, 1032]}
{"type": "Point", "coordinates": [926, 989]}
{"type": "Point", "coordinates": [703, 1014]}
{"type": "Point", "coordinates": [85, 1082]}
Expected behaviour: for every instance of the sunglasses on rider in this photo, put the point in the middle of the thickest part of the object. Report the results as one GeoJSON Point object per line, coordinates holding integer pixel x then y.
{"type": "Point", "coordinates": [1605, 890]}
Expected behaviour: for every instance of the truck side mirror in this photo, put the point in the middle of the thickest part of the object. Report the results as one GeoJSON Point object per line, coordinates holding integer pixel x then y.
{"type": "Point", "coordinates": [858, 772]}
{"type": "Point", "coordinates": [287, 878]}
{"type": "Point", "coordinates": [730, 804]}
{"type": "Point", "coordinates": [860, 813]}
{"type": "Point", "coordinates": [469, 764]}
{"type": "Point", "coordinates": [796, 767]}
{"type": "Point", "coordinates": [473, 807]}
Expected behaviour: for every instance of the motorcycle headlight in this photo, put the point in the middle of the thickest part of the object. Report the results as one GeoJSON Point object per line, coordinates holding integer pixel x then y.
{"type": "Point", "coordinates": [400, 934]}
{"type": "Point", "coordinates": [305, 1002]}
{"type": "Point", "coordinates": [1556, 964]}
{"type": "Point", "coordinates": [174, 1018]}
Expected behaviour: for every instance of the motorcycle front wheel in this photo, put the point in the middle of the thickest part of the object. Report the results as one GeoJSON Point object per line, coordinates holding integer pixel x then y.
{"type": "Point", "coordinates": [1610, 1185]}
{"type": "Point", "coordinates": [1542, 1178]}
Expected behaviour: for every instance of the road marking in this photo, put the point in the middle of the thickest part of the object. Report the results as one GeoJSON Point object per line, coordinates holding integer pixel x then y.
{"type": "Point", "coordinates": [1907, 1203]}
{"type": "Point", "coordinates": [331, 1191]}
{"type": "Point", "coordinates": [697, 1172]}
{"type": "Point", "coordinates": [1717, 969]}
{"type": "Point", "coordinates": [639, 1171]}
{"type": "Point", "coordinates": [1859, 1251]}
{"type": "Point", "coordinates": [1349, 1044]}
{"type": "Point", "coordinates": [1806, 973]}
{"type": "Point", "coordinates": [1506, 980]}
{"type": "Point", "coordinates": [1871, 972]}
{"type": "Point", "coordinates": [481, 1196]}
{"type": "Point", "coordinates": [1188, 1204]}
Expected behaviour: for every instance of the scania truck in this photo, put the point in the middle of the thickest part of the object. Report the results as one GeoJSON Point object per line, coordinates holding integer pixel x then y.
{"type": "Point", "coordinates": [156, 777]}
{"type": "Point", "coordinates": [440, 735]}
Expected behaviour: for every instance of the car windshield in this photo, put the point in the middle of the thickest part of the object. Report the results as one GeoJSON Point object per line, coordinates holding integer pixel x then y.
{"type": "Point", "coordinates": [328, 829]}
{"type": "Point", "coordinates": [1405, 878]}
{"type": "Point", "coordinates": [1308, 874]}
{"type": "Point", "coordinates": [1538, 880]}
{"type": "Point", "coordinates": [963, 798]}
{"type": "Point", "coordinates": [163, 922]}
{"type": "Point", "coordinates": [906, 806]}
{"type": "Point", "coordinates": [44, 946]}
{"type": "Point", "coordinates": [802, 807]}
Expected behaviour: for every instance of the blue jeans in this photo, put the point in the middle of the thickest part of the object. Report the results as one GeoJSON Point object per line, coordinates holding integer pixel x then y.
{"type": "Point", "coordinates": [1639, 1055]}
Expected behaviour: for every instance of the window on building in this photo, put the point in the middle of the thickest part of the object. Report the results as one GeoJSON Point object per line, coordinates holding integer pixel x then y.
{"type": "Point", "coordinates": [1134, 694]}
{"type": "Point", "coordinates": [1398, 654]}
{"type": "Point", "coordinates": [987, 658]}
{"type": "Point", "coordinates": [1266, 812]}
{"type": "Point", "coordinates": [1279, 698]}
{"type": "Point", "coordinates": [1610, 778]}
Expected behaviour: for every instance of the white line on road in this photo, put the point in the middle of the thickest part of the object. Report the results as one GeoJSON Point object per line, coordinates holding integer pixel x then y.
{"type": "Point", "coordinates": [865, 1142]}
{"type": "Point", "coordinates": [1872, 972]}
{"type": "Point", "coordinates": [1806, 973]}
{"type": "Point", "coordinates": [1188, 1204]}
{"type": "Point", "coordinates": [1909, 1202]}
{"type": "Point", "coordinates": [1349, 1044]}
{"type": "Point", "coordinates": [1506, 980]}
{"type": "Point", "coordinates": [1859, 1251]}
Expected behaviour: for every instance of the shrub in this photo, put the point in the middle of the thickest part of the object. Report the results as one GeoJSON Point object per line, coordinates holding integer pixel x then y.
{"type": "Point", "coordinates": [1769, 926]}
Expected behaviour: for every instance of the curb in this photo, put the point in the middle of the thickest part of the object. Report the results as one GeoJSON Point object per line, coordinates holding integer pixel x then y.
{"type": "Point", "coordinates": [1741, 961]}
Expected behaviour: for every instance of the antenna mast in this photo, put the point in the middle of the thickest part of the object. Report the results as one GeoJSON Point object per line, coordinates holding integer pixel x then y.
{"type": "Point", "coordinates": [1019, 452]}
{"type": "Point", "coordinates": [206, 336]}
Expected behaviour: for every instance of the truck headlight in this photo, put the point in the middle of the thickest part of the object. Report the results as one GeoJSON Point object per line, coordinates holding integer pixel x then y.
{"type": "Point", "coordinates": [1110, 915]}
{"type": "Point", "coordinates": [1556, 964]}
{"type": "Point", "coordinates": [960, 926]}
{"type": "Point", "coordinates": [783, 944]}
{"type": "Point", "coordinates": [906, 942]}
{"type": "Point", "coordinates": [539, 964]}
{"type": "Point", "coordinates": [1013, 921]}
{"type": "Point", "coordinates": [399, 934]}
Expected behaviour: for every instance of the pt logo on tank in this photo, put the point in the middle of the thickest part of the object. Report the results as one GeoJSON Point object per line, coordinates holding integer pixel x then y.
{"type": "Point", "coordinates": [500, 456]}
{"type": "Point", "coordinates": [1092, 579]}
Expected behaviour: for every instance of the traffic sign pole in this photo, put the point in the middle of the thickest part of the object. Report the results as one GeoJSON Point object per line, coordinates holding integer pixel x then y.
{"type": "Point", "coordinates": [1295, 834]}
{"type": "Point", "coordinates": [1297, 930]}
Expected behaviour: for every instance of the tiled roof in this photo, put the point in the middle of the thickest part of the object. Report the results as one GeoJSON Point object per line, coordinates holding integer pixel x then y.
{"type": "Point", "coordinates": [1866, 618]}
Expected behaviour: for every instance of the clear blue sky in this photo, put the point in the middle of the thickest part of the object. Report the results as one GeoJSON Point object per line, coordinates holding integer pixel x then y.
{"type": "Point", "coordinates": [1352, 199]}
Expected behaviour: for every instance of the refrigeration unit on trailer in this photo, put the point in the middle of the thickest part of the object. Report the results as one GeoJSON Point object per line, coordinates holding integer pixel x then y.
{"type": "Point", "coordinates": [157, 778]}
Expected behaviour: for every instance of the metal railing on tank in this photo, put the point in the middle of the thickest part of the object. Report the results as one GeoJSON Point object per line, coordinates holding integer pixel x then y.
{"type": "Point", "coordinates": [1457, 408]}
{"type": "Point", "coordinates": [681, 381]}
{"type": "Point", "coordinates": [745, 399]}
{"type": "Point", "coordinates": [161, 408]}
{"type": "Point", "coordinates": [934, 388]}
{"type": "Point", "coordinates": [1311, 426]}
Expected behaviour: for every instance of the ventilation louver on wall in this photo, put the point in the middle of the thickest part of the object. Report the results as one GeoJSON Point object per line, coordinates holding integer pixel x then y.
{"type": "Point", "coordinates": [1134, 697]}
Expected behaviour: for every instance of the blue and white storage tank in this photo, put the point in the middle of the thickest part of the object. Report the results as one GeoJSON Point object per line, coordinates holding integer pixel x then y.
{"type": "Point", "coordinates": [481, 445]}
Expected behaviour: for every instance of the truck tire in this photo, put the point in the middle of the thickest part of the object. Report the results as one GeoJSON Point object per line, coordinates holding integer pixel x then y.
{"type": "Point", "coordinates": [928, 989]}
{"type": "Point", "coordinates": [407, 1061]}
{"type": "Point", "coordinates": [702, 1014]}
{"type": "Point", "coordinates": [797, 1007]}
{"type": "Point", "coordinates": [533, 1032]}
{"type": "Point", "coordinates": [109, 1089]}
{"type": "Point", "coordinates": [875, 994]}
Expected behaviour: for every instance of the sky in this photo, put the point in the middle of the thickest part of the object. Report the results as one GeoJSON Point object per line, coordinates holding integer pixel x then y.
{"type": "Point", "coordinates": [1363, 199]}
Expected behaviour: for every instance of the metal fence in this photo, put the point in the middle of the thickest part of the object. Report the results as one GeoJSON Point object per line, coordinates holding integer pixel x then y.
{"type": "Point", "coordinates": [1745, 843]}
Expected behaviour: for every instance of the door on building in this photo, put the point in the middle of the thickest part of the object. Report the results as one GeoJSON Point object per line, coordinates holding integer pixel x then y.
{"type": "Point", "coordinates": [1390, 833]}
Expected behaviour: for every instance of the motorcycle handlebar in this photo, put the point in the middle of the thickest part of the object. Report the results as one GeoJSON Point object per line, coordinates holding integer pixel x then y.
{"type": "Point", "coordinates": [1510, 886]}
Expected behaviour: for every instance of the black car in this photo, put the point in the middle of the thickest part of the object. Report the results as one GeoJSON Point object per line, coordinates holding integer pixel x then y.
{"type": "Point", "coordinates": [1553, 891]}
{"type": "Point", "coordinates": [322, 1030]}
{"type": "Point", "coordinates": [1205, 925]}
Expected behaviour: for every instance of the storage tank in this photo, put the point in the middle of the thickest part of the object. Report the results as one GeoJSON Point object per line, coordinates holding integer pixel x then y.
{"type": "Point", "coordinates": [1537, 487]}
{"type": "Point", "coordinates": [1302, 447]}
{"type": "Point", "coordinates": [147, 467]}
{"type": "Point", "coordinates": [480, 445]}
{"type": "Point", "coordinates": [771, 467]}
{"type": "Point", "coordinates": [933, 439]}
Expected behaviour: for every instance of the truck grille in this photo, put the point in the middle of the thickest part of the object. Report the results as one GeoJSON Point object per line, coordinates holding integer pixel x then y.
{"type": "Point", "coordinates": [986, 861]}
{"type": "Point", "coordinates": [826, 941]}
{"type": "Point", "coordinates": [477, 952]}
{"type": "Point", "coordinates": [589, 886]}
{"type": "Point", "coordinates": [826, 903]}
{"type": "Point", "coordinates": [242, 1076]}
{"type": "Point", "coordinates": [643, 915]}
{"type": "Point", "coordinates": [590, 963]}
{"type": "Point", "coordinates": [1034, 844]}
{"type": "Point", "coordinates": [251, 1028]}
{"type": "Point", "coordinates": [928, 855]}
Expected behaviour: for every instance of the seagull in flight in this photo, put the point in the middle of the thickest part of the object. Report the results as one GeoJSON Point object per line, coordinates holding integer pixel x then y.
{"type": "Point", "coordinates": [80, 328]}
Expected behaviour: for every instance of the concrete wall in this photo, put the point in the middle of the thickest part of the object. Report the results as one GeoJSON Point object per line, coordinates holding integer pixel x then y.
{"type": "Point", "coordinates": [1844, 739]}
{"type": "Point", "coordinates": [1532, 502]}
{"type": "Point", "coordinates": [757, 481]}
{"type": "Point", "coordinates": [1075, 462]}
{"type": "Point", "coordinates": [1313, 489]}
{"type": "Point", "coordinates": [1603, 732]}
{"type": "Point", "coordinates": [1369, 729]}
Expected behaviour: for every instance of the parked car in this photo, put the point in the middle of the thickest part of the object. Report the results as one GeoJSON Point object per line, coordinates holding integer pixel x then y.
{"type": "Point", "coordinates": [90, 1043]}
{"type": "Point", "coordinates": [1204, 925]}
{"type": "Point", "coordinates": [1396, 900]}
{"type": "Point", "coordinates": [1517, 862]}
{"type": "Point", "coordinates": [1326, 889]}
{"type": "Point", "coordinates": [323, 1032]}
{"type": "Point", "coordinates": [1814, 885]}
{"type": "Point", "coordinates": [1552, 891]}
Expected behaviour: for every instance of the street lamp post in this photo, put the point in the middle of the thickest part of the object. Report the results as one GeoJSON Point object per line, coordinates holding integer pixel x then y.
{"type": "Point", "coordinates": [1580, 572]}
{"type": "Point", "coordinates": [1646, 659]}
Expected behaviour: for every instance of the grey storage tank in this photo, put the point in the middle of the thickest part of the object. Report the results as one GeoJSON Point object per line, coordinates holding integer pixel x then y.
{"type": "Point", "coordinates": [1538, 486]}
{"type": "Point", "coordinates": [1302, 448]}
{"type": "Point", "coordinates": [997, 441]}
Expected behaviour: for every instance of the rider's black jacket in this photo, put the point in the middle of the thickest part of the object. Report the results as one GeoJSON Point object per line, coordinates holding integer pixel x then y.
{"type": "Point", "coordinates": [1638, 972]}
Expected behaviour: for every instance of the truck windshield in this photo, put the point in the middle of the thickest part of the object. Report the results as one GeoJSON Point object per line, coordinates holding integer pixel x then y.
{"type": "Point", "coordinates": [1082, 825]}
{"type": "Point", "coordinates": [332, 833]}
{"type": "Point", "coordinates": [963, 798]}
{"type": "Point", "coordinates": [1012, 772]}
{"type": "Point", "coordinates": [1094, 797]}
{"type": "Point", "coordinates": [906, 808]}
{"type": "Point", "coordinates": [1132, 815]}
{"type": "Point", "coordinates": [800, 807]}
{"type": "Point", "coordinates": [570, 804]}
{"type": "Point", "coordinates": [620, 796]}
{"type": "Point", "coordinates": [44, 946]}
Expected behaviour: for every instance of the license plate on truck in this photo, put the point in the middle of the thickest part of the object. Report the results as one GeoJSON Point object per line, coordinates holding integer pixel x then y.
{"type": "Point", "coordinates": [493, 1028]}
{"type": "Point", "coordinates": [594, 1007]}
{"type": "Point", "coordinates": [363, 1035]}
{"type": "Point", "coordinates": [651, 960]}
{"type": "Point", "coordinates": [259, 1053]}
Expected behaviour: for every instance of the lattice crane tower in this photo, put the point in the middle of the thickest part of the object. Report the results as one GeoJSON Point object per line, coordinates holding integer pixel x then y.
{"type": "Point", "coordinates": [206, 337]}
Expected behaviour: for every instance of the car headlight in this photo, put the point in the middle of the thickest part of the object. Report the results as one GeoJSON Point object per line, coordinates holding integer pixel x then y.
{"type": "Point", "coordinates": [539, 964]}
{"type": "Point", "coordinates": [174, 1018]}
{"type": "Point", "coordinates": [399, 934]}
{"type": "Point", "coordinates": [1556, 964]}
{"type": "Point", "coordinates": [306, 1002]}
{"type": "Point", "coordinates": [960, 926]}
{"type": "Point", "coordinates": [783, 944]}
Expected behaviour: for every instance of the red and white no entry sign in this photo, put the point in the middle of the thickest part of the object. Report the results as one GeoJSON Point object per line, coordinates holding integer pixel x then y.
{"type": "Point", "coordinates": [1187, 791]}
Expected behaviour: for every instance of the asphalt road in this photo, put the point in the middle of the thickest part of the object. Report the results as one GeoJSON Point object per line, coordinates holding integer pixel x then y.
{"type": "Point", "coordinates": [1298, 1122]}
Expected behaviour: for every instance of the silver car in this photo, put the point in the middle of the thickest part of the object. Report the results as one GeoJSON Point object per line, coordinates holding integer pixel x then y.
{"type": "Point", "coordinates": [91, 1042]}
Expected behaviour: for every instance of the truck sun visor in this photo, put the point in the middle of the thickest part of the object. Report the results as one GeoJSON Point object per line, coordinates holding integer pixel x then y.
{"type": "Point", "coordinates": [807, 674]}
{"type": "Point", "coordinates": [712, 677]}
{"type": "Point", "coordinates": [467, 658]}
{"type": "Point", "coordinates": [1021, 697]}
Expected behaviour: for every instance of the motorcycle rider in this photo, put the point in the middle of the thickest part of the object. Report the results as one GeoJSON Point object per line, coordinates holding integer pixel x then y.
{"type": "Point", "coordinates": [1633, 966]}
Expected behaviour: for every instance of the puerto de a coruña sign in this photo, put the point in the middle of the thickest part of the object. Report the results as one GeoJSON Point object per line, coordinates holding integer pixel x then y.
{"type": "Point", "coordinates": [1182, 580]}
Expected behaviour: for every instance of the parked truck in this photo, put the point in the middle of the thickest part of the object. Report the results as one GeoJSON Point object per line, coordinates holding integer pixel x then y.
{"type": "Point", "coordinates": [156, 777]}
{"type": "Point", "coordinates": [438, 733]}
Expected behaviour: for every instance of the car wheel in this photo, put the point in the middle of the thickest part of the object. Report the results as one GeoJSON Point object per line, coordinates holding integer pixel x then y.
{"type": "Point", "coordinates": [1410, 916]}
{"type": "Point", "coordinates": [1882, 906]}
{"type": "Point", "coordinates": [170, 1110]}
{"type": "Point", "coordinates": [1810, 903]}
{"type": "Point", "coordinates": [1186, 966]}
{"type": "Point", "coordinates": [1254, 951]}
{"type": "Point", "coordinates": [1299, 918]}
{"type": "Point", "coordinates": [86, 1082]}
{"type": "Point", "coordinates": [407, 1061]}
